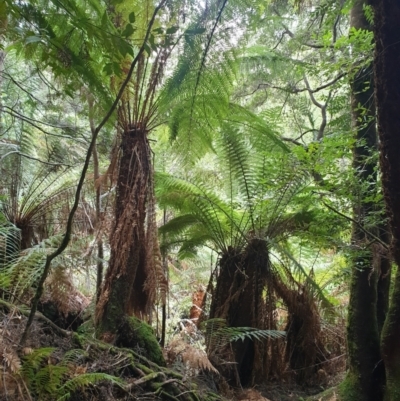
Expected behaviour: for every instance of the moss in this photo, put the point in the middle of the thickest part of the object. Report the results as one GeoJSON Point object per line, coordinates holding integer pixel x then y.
{"type": "Point", "coordinates": [86, 328]}
{"type": "Point", "coordinates": [79, 340]}
{"type": "Point", "coordinates": [134, 333]}
{"type": "Point", "coordinates": [349, 389]}
{"type": "Point", "coordinates": [392, 391]}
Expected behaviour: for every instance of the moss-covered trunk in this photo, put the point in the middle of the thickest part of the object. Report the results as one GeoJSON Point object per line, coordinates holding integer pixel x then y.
{"type": "Point", "coordinates": [125, 274]}
{"type": "Point", "coordinates": [366, 375]}
{"type": "Point", "coordinates": [387, 95]}
{"type": "Point", "coordinates": [382, 304]}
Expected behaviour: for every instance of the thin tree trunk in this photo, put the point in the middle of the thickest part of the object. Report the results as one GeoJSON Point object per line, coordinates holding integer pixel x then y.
{"type": "Point", "coordinates": [387, 95]}
{"type": "Point", "coordinates": [96, 175]}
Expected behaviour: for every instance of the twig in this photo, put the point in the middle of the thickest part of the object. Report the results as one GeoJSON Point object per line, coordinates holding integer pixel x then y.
{"type": "Point", "coordinates": [32, 158]}
{"type": "Point", "coordinates": [144, 379]}
{"type": "Point", "coordinates": [320, 106]}
{"type": "Point", "coordinates": [377, 239]}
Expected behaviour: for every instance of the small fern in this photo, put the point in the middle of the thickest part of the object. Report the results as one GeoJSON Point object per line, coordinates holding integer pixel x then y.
{"type": "Point", "coordinates": [34, 360]}
{"type": "Point", "coordinates": [50, 381]}
{"type": "Point", "coordinates": [85, 380]}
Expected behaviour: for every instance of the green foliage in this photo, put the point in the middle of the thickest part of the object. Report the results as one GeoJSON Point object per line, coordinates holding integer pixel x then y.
{"type": "Point", "coordinates": [70, 40]}
{"type": "Point", "coordinates": [50, 381]}
{"type": "Point", "coordinates": [218, 334]}
{"type": "Point", "coordinates": [85, 380]}
{"type": "Point", "coordinates": [42, 377]}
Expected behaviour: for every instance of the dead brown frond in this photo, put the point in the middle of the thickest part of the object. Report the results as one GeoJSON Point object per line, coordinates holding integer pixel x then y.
{"type": "Point", "coordinates": [156, 284]}
{"type": "Point", "coordinates": [251, 395]}
{"type": "Point", "coordinates": [60, 291]}
{"type": "Point", "coordinates": [9, 358]}
{"type": "Point", "coordinates": [198, 299]}
{"type": "Point", "coordinates": [193, 359]}
{"type": "Point", "coordinates": [244, 298]}
{"type": "Point", "coordinates": [305, 350]}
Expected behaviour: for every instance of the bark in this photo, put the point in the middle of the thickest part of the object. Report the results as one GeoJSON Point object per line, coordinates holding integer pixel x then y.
{"type": "Point", "coordinates": [387, 95]}
{"type": "Point", "coordinates": [383, 288]}
{"type": "Point", "coordinates": [366, 374]}
{"type": "Point", "coordinates": [122, 294]}
{"type": "Point", "coordinates": [238, 298]}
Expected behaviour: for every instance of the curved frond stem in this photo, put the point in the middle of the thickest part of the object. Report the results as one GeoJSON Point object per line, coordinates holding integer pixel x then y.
{"type": "Point", "coordinates": [205, 53]}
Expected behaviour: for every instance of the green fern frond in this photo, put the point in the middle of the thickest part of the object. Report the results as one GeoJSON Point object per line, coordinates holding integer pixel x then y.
{"type": "Point", "coordinates": [85, 380]}
{"type": "Point", "coordinates": [297, 268]}
{"type": "Point", "coordinates": [49, 379]}
{"type": "Point", "coordinates": [241, 333]}
{"type": "Point", "coordinates": [218, 334]}
{"type": "Point", "coordinates": [73, 356]}
{"type": "Point", "coordinates": [24, 271]}
{"type": "Point", "coordinates": [32, 362]}
{"type": "Point", "coordinates": [9, 242]}
{"type": "Point", "coordinates": [205, 207]}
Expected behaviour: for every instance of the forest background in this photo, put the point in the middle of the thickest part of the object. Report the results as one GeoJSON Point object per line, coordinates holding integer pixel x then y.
{"type": "Point", "coordinates": [209, 166]}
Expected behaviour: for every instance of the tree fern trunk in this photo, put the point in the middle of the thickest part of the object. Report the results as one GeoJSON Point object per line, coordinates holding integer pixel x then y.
{"type": "Point", "coordinates": [387, 92]}
{"type": "Point", "coordinates": [127, 260]}
{"type": "Point", "coordinates": [238, 298]}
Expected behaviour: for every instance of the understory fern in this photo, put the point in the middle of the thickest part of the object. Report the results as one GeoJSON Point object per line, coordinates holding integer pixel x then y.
{"type": "Point", "coordinates": [50, 381]}
{"type": "Point", "coordinates": [84, 380]}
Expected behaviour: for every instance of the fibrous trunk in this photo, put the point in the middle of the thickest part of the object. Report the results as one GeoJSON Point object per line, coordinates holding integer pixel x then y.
{"type": "Point", "coordinates": [123, 290]}
{"type": "Point", "coordinates": [239, 299]}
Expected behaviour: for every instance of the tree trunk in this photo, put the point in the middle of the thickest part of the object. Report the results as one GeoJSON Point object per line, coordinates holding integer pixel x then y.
{"type": "Point", "coordinates": [125, 276]}
{"type": "Point", "coordinates": [364, 379]}
{"type": "Point", "coordinates": [239, 300]}
{"type": "Point", "coordinates": [383, 258]}
{"type": "Point", "coordinates": [96, 176]}
{"type": "Point", "coordinates": [387, 95]}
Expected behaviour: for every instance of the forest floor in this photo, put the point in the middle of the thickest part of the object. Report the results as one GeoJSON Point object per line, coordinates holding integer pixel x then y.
{"type": "Point", "coordinates": [56, 364]}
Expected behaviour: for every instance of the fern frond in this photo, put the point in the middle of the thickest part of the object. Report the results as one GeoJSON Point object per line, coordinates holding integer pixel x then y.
{"type": "Point", "coordinates": [33, 361]}
{"type": "Point", "coordinates": [241, 333]}
{"type": "Point", "coordinates": [49, 379]}
{"type": "Point", "coordinates": [85, 380]}
{"type": "Point", "coordinates": [22, 272]}
{"type": "Point", "coordinates": [73, 356]}
{"type": "Point", "coordinates": [297, 268]}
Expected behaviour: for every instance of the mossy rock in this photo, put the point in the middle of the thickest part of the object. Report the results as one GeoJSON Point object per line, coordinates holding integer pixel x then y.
{"type": "Point", "coordinates": [133, 333]}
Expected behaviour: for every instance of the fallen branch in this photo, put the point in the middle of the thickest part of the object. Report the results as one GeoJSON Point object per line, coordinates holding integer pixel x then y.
{"type": "Point", "coordinates": [39, 316]}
